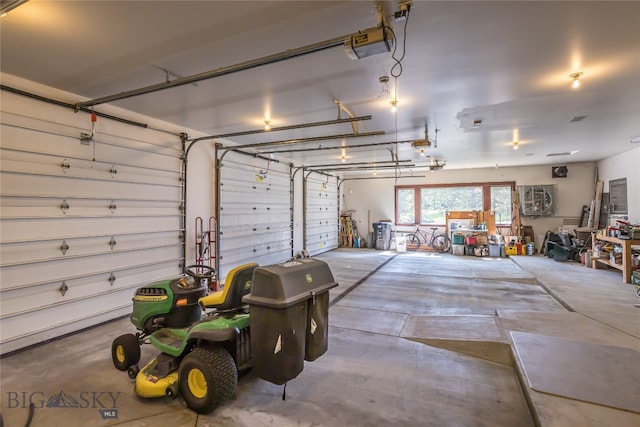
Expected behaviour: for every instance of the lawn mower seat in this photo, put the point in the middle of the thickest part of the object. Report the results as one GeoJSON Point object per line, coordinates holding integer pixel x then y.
{"type": "Point", "coordinates": [237, 284]}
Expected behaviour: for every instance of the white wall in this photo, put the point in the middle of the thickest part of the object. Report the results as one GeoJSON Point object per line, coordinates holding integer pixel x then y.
{"type": "Point", "coordinates": [200, 191]}
{"type": "Point", "coordinates": [376, 196]}
{"type": "Point", "coordinates": [624, 165]}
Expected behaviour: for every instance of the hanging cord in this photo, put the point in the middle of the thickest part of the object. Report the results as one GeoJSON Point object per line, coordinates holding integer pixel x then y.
{"type": "Point", "coordinates": [94, 119]}
{"type": "Point", "coordinates": [396, 70]}
{"type": "Point", "coordinates": [395, 123]}
{"type": "Point", "coordinates": [264, 173]}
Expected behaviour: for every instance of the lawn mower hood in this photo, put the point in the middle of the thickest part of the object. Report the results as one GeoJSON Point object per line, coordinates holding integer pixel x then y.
{"type": "Point", "coordinates": [167, 303]}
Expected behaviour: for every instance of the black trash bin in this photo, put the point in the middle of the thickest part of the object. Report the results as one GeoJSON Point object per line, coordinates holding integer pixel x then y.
{"type": "Point", "coordinates": [382, 235]}
{"type": "Point", "coordinates": [289, 306]}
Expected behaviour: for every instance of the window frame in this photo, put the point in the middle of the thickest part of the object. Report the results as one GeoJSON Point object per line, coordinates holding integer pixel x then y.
{"type": "Point", "coordinates": [417, 201]}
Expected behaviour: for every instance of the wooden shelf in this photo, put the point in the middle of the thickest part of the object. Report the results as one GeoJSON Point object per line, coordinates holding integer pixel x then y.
{"type": "Point", "coordinates": [608, 262]}
{"type": "Point", "coordinates": [626, 255]}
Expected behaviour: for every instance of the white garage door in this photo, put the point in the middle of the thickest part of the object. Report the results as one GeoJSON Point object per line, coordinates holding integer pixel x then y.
{"type": "Point", "coordinates": [82, 225]}
{"type": "Point", "coordinates": [255, 218]}
{"type": "Point", "coordinates": [321, 213]}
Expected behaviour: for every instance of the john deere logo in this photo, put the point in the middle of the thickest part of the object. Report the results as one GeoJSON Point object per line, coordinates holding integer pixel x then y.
{"type": "Point", "coordinates": [247, 284]}
{"type": "Point", "coordinates": [309, 278]}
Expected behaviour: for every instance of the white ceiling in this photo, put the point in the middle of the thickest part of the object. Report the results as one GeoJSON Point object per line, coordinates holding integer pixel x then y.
{"type": "Point", "coordinates": [505, 63]}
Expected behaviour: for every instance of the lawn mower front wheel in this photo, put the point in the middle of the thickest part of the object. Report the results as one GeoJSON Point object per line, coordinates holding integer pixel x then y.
{"type": "Point", "coordinates": [206, 377]}
{"type": "Point", "coordinates": [125, 351]}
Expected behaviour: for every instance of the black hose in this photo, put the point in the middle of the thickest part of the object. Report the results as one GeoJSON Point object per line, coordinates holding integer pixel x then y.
{"type": "Point", "coordinates": [30, 417]}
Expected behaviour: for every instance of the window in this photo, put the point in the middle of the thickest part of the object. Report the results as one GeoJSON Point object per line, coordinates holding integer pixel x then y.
{"type": "Point", "coordinates": [618, 196]}
{"type": "Point", "coordinates": [501, 204]}
{"type": "Point", "coordinates": [405, 200]}
{"type": "Point", "coordinates": [428, 204]}
{"type": "Point", "coordinates": [436, 201]}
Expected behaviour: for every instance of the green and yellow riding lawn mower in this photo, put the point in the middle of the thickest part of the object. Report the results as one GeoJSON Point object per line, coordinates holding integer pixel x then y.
{"type": "Point", "coordinates": [269, 318]}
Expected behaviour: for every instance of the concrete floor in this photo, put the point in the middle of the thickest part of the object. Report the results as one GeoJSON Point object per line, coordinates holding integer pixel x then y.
{"type": "Point", "coordinates": [416, 339]}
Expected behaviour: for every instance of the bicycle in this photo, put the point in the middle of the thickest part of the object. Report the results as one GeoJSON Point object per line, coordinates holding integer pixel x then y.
{"type": "Point", "coordinates": [438, 242]}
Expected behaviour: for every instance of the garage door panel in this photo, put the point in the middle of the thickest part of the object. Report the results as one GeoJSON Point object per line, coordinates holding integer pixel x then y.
{"type": "Point", "coordinates": [277, 254]}
{"type": "Point", "coordinates": [254, 219]}
{"type": "Point", "coordinates": [31, 323]}
{"type": "Point", "coordinates": [55, 166]}
{"type": "Point", "coordinates": [25, 207]}
{"type": "Point", "coordinates": [239, 232]}
{"type": "Point", "coordinates": [321, 214]}
{"type": "Point", "coordinates": [81, 214]}
{"type": "Point", "coordinates": [23, 184]}
{"type": "Point", "coordinates": [261, 239]}
{"type": "Point", "coordinates": [14, 275]}
{"type": "Point", "coordinates": [53, 120]}
{"type": "Point", "coordinates": [15, 229]}
{"type": "Point", "coordinates": [96, 282]}
{"type": "Point", "coordinates": [255, 216]}
{"type": "Point", "coordinates": [50, 250]}
{"type": "Point", "coordinates": [280, 184]}
{"type": "Point", "coordinates": [19, 301]}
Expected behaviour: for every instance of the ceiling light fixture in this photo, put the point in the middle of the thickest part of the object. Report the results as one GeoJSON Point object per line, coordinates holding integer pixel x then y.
{"type": "Point", "coordinates": [635, 139]}
{"type": "Point", "coordinates": [422, 152]}
{"type": "Point", "coordinates": [437, 165]}
{"type": "Point", "coordinates": [384, 91]}
{"type": "Point", "coordinates": [576, 80]}
{"type": "Point", "coordinates": [515, 144]}
{"type": "Point", "coordinates": [563, 153]}
{"type": "Point", "coordinates": [394, 105]}
{"type": "Point", "coordinates": [267, 125]}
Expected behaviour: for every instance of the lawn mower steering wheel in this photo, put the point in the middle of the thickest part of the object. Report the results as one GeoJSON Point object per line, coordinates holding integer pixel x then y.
{"type": "Point", "coordinates": [209, 273]}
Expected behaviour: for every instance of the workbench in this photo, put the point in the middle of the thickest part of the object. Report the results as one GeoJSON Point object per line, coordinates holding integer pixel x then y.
{"type": "Point", "coordinates": [626, 244]}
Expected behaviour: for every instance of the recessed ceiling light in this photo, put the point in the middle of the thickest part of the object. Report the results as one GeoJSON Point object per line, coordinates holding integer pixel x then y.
{"type": "Point", "coordinates": [477, 123]}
